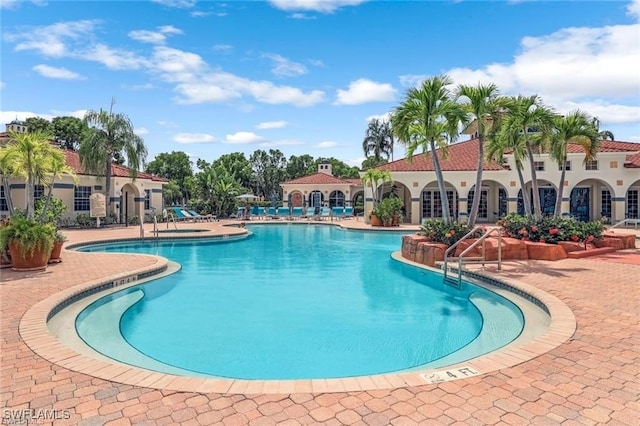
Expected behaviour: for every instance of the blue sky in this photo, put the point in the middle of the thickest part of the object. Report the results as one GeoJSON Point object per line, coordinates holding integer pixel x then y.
{"type": "Point", "coordinates": [305, 76]}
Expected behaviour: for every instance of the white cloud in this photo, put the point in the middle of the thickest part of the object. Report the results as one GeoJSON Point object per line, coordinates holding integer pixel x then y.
{"type": "Point", "coordinates": [169, 124]}
{"type": "Point", "coordinates": [412, 80]}
{"type": "Point", "coordinates": [222, 47]}
{"type": "Point", "coordinates": [357, 162]}
{"type": "Point", "coordinates": [322, 6]}
{"type": "Point", "coordinates": [363, 91]}
{"type": "Point", "coordinates": [586, 68]}
{"type": "Point", "coordinates": [9, 4]}
{"type": "Point", "coordinates": [59, 73]}
{"type": "Point", "coordinates": [154, 37]}
{"type": "Point", "coordinates": [7, 116]}
{"type": "Point", "coordinates": [52, 40]}
{"type": "Point", "coordinates": [141, 131]}
{"type": "Point", "coordinates": [243, 138]}
{"type": "Point", "coordinates": [326, 144]}
{"type": "Point", "coordinates": [176, 3]}
{"type": "Point", "coordinates": [199, 14]}
{"type": "Point", "coordinates": [381, 117]}
{"type": "Point", "coordinates": [115, 59]}
{"type": "Point", "coordinates": [187, 138]}
{"type": "Point", "coordinates": [283, 67]}
{"type": "Point", "coordinates": [633, 9]}
{"type": "Point", "coordinates": [301, 16]}
{"type": "Point", "coordinates": [138, 87]}
{"type": "Point", "coordinates": [272, 125]}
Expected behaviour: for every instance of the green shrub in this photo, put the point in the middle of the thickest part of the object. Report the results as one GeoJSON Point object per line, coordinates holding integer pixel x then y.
{"type": "Point", "coordinates": [438, 232]}
{"type": "Point", "coordinates": [28, 234]}
{"type": "Point", "coordinates": [549, 229]}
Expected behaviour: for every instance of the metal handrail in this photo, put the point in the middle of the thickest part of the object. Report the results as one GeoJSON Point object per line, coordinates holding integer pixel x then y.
{"type": "Point", "coordinates": [625, 221]}
{"type": "Point", "coordinates": [155, 226]}
{"type": "Point", "coordinates": [481, 239]}
{"type": "Point", "coordinates": [142, 227]}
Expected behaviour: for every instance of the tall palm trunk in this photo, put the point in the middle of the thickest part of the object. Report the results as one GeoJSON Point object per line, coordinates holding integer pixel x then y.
{"type": "Point", "coordinates": [556, 212]}
{"type": "Point", "coordinates": [475, 206]}
{"type": "Point", "coordinates": [537, 210]}
{"type": "Point", "coordinates": [525, 198]}
{"type": "Point", "coordinates": [107, 178]}
{"type": "Point", "coordinates": [440, 179]}
{"type": "Point", "coordinates": [30, 194]}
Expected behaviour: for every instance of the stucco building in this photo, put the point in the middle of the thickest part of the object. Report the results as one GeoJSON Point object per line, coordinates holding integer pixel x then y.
{"type": "Point", "coordinates": [606, 187]}
{"type": "Point", "coordinates": [128, 197]}
{"type": "Point", "coordinates": [322, 189]}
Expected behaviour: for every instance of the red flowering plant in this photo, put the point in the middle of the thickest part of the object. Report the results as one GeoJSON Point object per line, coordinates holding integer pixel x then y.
{"type": "Point", "coordinates": [436, 230]}
{"type": "Point", "coordinates": [551, 230]}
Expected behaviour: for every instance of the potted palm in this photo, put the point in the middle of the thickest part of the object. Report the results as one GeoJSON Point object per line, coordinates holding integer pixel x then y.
{"type": "Point", "coordinates": [376, 178]}
{"type": "Point", "coordinates": [32, 157]}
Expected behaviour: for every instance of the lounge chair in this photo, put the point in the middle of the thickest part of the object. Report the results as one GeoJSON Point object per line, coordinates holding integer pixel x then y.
{"type": "Point", "coordinates": [201, 218]}
{"type": "Point", "coordinates": [338, 212]}
{"type": "Point", "coordinates": [311, 214]}
{"type": "Point", "coordinates": [179, 214]}
{"type": "Point", "coordinates": [260, 213]}
{"type": "Point", "coordinates": [272, 214]}
{"type": "Point", "coordinates": [284, 212]}
{"type": "Point", "coordinates": [348, 212]}
{"type": "Point", "coordinates": [325, 213]}
{"type": "Point", "coordinates": [297, 213]}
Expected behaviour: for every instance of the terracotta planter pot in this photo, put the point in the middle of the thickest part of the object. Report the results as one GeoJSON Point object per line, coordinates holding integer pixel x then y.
{"type": "Point", "coordinates": [5, 260]}
{"type": "Point", "coordinates": [55, 253]}
{"type": "Point", "coordinates": [29, 261]}
{"type": "Point", "coordinates": [375, 220]}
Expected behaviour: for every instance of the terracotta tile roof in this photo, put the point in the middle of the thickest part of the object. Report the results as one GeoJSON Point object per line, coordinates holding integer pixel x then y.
{"type": "Point", "coordinates": [353, 181]}
{"type": "Point", "coordinates": [321, 179]}
{"type": "Point", "coordinates": [607, 146]}
{"type": "Point", "coordinates": [463, 156]}
{"type": "Point", "coordinates": [632, 161]}
{"type": "Point", "coordinates": [73, 161]}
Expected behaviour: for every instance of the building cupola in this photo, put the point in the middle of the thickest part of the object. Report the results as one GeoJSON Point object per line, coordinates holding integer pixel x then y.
{"type": "Point", "coordinates": [325, 167]}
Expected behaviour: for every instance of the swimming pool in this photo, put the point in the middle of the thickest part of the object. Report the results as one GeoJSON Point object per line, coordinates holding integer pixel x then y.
{"type": "Point", "coordinates": [294, 302]}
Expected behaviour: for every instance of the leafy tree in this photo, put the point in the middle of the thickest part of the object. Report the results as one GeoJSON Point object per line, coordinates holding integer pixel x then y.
{"type": "Point", "coordinates": [269, 170]}
{"type": "Point", "coordinates": [603, 134]}
{"type": "Point", "coordinates": [174, 166]}
{"type": "Point", "coordinates": [576, 127]}
{"type": "Point", "coordinates": [38, 124]}
{"type": "Point", "coordinates": [371, 162]}
{"type": "Point", "coordinates": [236, 165]}
{"type": "Point", "coordinates": [171, 193]}
{"type": "Point", "coordinates": [110, 134]}
{"type": "Point", "coordinates": [299, 166]}
{"type": "Point", "coordinates": [529, 117]}
{"type": "Point", "coordinates": [428, 119]}
{"type": "Point", "coordinates": [378, 140]}
{"type": "Point", "coordinates": [480, 103]}
{"type": "Point", "coordinates": [68, 131]}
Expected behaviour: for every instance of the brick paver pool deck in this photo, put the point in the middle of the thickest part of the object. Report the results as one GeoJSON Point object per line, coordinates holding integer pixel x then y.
{"type": "Point", "coordinates": [593, 378]}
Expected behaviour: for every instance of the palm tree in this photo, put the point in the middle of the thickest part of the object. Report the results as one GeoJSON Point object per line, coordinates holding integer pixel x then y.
{"type": "Point", "coordinates": [428, 119]}
{"type": "Point", "coordinates": [378, 140]}
{"type": "Point", "coordinates": [109, 135]}
{"type": "Point", "coordinates": [29, 155]}
{"type": "Point", "coordinates": [577, 127]}
{"type": "Point", "coordinates": [500, 142]}
{"type": "Point", "coordinates": [57, 167]}
{"type": "Point", "coordinates": [484, 109]}
{"type": "Point", "coordinates": [528, 116]}
{"type": "Point", "coordinates": [376, 178]}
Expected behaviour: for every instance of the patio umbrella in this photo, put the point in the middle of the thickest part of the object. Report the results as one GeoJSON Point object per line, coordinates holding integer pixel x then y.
{"type": "Point", "coordinates": [247, 197]}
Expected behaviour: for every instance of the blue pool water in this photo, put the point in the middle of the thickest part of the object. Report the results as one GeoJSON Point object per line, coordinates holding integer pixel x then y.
{"type": "Point", "coordinates": [294, 302]}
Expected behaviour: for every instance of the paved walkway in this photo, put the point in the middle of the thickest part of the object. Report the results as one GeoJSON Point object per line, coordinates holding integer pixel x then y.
{"type": "Point", "coordinates": [592, 379]}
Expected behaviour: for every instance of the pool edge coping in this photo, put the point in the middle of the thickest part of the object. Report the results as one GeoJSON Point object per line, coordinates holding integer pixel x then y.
{"type": "Point", "coordinates": [35, 333]}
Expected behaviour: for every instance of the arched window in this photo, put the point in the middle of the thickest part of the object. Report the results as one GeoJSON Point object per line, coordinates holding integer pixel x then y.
{"type": "Point", "coordinates": [336, 199]}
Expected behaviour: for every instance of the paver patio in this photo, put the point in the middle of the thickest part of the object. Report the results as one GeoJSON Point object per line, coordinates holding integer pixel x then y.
{"type": "Point", "coordinates": [594, 378]}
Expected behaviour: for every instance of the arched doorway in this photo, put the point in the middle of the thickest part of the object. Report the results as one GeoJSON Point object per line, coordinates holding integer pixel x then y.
{"type": "Point", "coordinates": [431, 203]}
{"type": "Point", "coordinates": [296, 199]}
{"type": "Point", "coordinates": [493, 201]}
{"type": "Point", "coordinates": [399, 190]}
{"type": "Point", "coordinates": [632, 201]}
{"type": "Point", "coordinates": [548, 195]}
{"type": "Point", "coordinates": [315, 199]}
{"type": "Point", "coordinates": [129, 206]}
{"type": "Point", "coordinates": [591, 199]}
